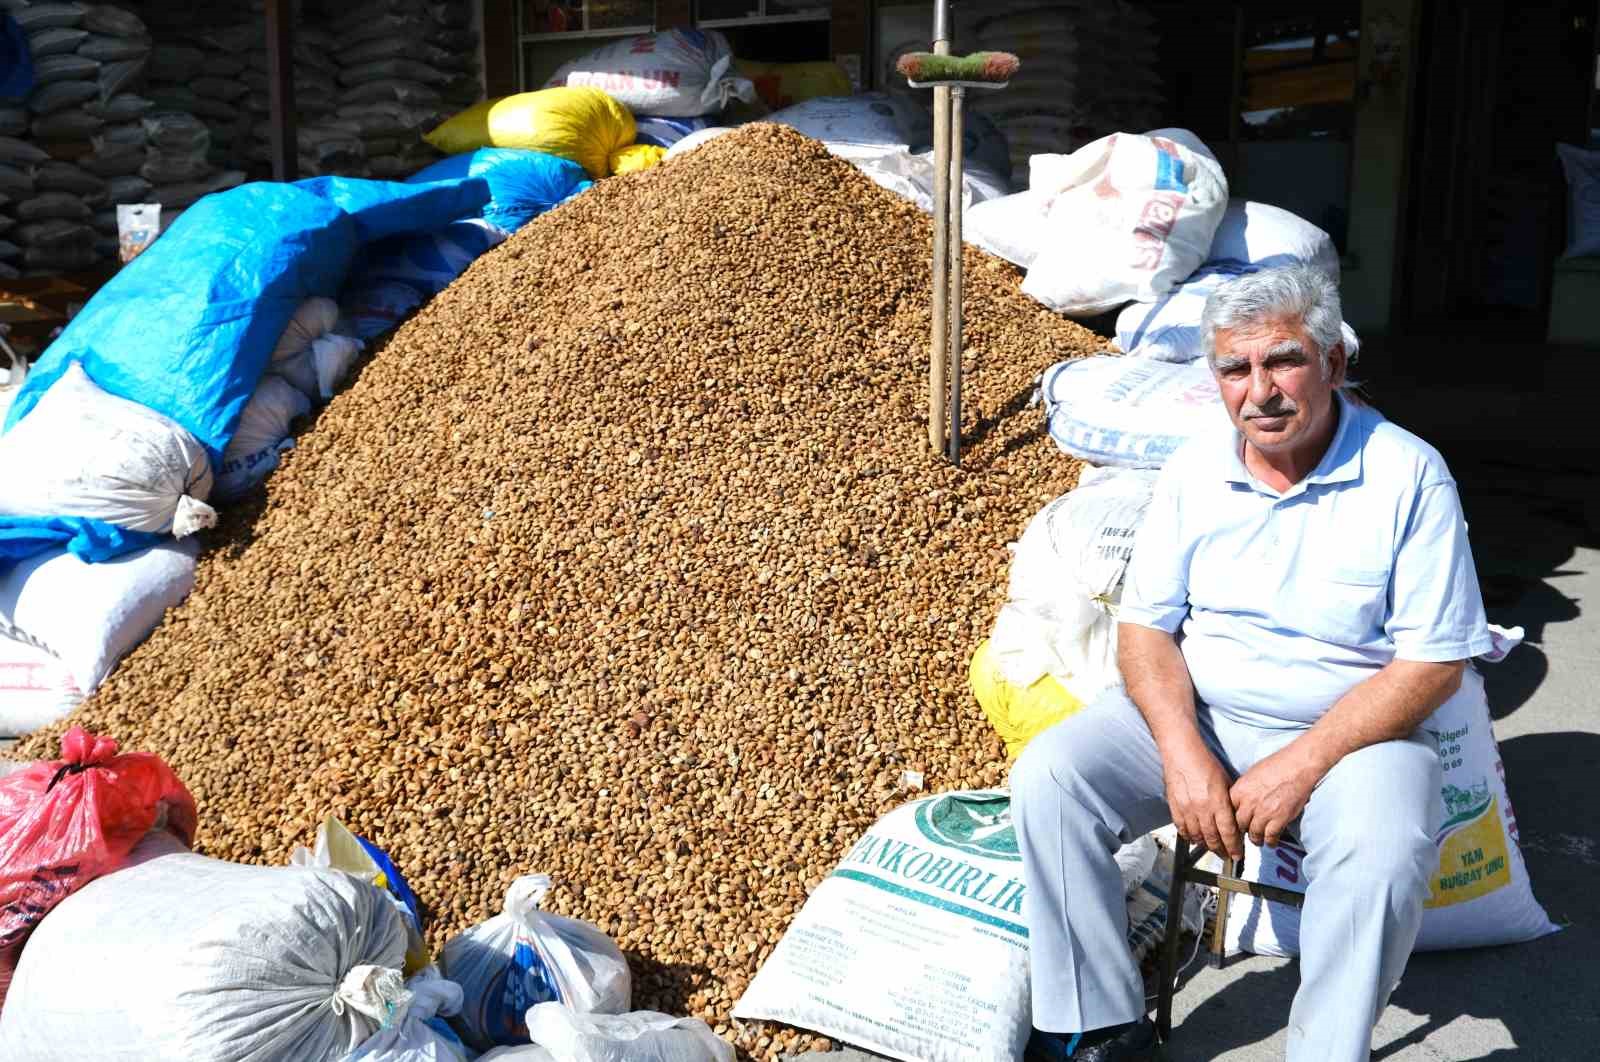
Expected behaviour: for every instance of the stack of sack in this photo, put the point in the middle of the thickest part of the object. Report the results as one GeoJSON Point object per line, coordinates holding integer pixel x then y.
{"type": "Point", "coordinates": [213, 63]}
{"type": "Point", "coordinates": [89, 137]}
{"type": "Point", "coordinates": [1087, 68]}
{"type": "Point", "coordinates": [402, 67]}
{"type": "Point", "coordinates": [76, 146]}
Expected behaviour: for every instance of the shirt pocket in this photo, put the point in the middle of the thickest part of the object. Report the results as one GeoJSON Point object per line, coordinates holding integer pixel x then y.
{"type": "Point", "coordinates": [1342, 605]}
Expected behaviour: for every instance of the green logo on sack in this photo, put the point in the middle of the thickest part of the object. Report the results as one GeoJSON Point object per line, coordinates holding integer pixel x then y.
{"type": "Point", "coordinates": [978, 824]}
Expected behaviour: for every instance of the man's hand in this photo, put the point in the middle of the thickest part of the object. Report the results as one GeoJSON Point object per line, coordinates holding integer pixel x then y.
{"type": "Point", "coordinates": [1197, 795]}
{"type": "Point", "coordinates": [1273, 793]}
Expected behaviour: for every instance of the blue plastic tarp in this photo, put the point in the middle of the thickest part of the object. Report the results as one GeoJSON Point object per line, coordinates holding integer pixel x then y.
{"type": "Point", "coordinates": [522, 184]}
{"type": "Point", "coordinates": [93, 541]}
{"type": "Point", "coordinates": [188, 327]}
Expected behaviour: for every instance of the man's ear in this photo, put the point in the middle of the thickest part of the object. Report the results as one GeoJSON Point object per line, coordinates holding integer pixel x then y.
{"type": "Point", "coordinates": [1338, 365]}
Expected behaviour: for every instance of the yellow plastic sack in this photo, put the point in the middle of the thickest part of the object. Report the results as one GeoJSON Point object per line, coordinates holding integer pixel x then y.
{"type": "Point", "coordinates": [1016, 714]}
{"type": "Point", "coordinates": [582, 124]}
{"type": "Point", "coordinates": [785, 84]}
{"type": "Point", "coordinates": [637, 157]}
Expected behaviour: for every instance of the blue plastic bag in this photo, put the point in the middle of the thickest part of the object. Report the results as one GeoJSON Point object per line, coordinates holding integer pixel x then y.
{"type": "Point", "coordinates": [188, 327]}
{"type": "Point", "coordinates": [664, 132]}
{"type": "Point", "coordinates": [522, 184]}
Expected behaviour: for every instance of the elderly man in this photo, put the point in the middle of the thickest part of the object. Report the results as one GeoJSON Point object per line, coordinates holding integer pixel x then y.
{"type": "Point", "coordinates": [1301, 597]}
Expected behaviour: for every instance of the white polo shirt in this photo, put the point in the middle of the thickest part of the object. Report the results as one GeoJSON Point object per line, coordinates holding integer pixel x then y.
{"type": "Point", "coordinates": [1286, 601]}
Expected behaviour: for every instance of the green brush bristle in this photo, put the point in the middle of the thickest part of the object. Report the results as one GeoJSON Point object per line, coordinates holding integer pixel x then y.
{"type": "Point", "coordinates": [989, 67]}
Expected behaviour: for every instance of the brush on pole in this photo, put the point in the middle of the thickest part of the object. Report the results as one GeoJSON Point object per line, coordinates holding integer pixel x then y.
{"type": "Point", "coordinates": [949, 76]}
{"type": "Point", "coordinates": [978, 70]}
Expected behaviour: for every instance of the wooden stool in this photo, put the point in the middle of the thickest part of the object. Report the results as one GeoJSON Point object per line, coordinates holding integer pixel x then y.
{"type": "Point", "coordinates": [1184, 872]}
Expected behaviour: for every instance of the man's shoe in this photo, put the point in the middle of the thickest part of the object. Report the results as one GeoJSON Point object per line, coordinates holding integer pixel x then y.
{"type": "Point", "coordinates": [1136, 1043]}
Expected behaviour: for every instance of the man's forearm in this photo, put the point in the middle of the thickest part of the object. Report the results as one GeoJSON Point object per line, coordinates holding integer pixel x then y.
{"type": "Point", "coordinates": [1158, 683]}
{"type": "Point", "coordinates": [1386, 707]}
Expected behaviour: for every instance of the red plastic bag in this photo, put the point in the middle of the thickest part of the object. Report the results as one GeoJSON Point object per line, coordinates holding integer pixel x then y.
{"type": "Point", "coordinates": [65, 822]}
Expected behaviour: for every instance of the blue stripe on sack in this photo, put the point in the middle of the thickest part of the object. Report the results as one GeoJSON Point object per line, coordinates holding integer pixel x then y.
{"type": "Point", "coordinates": [931, 901]}
{"type": "Point", "coordinates": [1169, 173]}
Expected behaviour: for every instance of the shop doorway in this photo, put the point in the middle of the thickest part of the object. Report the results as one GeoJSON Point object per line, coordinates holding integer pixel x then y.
{"type": "Point", "coordinates": [1499, 84]}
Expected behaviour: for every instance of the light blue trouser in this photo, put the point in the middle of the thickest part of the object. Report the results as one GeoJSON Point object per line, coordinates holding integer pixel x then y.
{"type": "Point", "coordinates": [1093, 782]}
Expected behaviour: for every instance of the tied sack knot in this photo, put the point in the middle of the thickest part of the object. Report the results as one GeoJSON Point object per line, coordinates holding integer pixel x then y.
{"type": "Point", "coordinates": [377, 992]}
{"type": "Point", "coordinates": [192, 515]}
{"type": "Point", "coordinates": [526, 894]}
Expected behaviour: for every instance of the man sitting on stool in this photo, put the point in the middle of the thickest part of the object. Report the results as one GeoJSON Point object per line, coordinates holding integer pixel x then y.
{"type": "Point", "coordinates": [1301, 597]}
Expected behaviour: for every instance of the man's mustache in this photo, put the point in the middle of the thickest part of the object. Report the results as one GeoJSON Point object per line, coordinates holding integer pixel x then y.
{"type": "Point", "coordinates": [1279, 407]}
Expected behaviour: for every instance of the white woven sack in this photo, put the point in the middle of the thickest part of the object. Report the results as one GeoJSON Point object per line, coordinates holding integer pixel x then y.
{"type": "Point", "coordinates": [84, 452]}
{"type": "Point", "coordinates": [1480, 894]}
{"type": "Point", "coordinates": [1130, 216]}
{"type": "Point", "coordinates": [91, 615]}
{"type": "Point", "coordinates": [416, 1031]}
{"type": "Point", "coordinates": [926, 907]}
{"type": "Point", "coordinates": [1129, 412]}
{"type": "Point", "coordinates": [696, 138]}
{"type": "Point", "coordinates": [846, 125]}
{"type": "Point", "coordinates": [1008, 226]}
{"type": "Point", "coordinates": [677, 73]}
{"type": "Point", "coordinates": [182, 956]}
{"type": "Point", "coordinates": [253, 451]}
{"type": "Point", "coordinates": [314, 317]}
{"type": "Point", "coordinates": [1066, 577]}
{"type": "Point", "coordinates": [523, 957]}
{"type": "Point", "coordinates": [36, 688]}
{"type": "Point", "coordinates": [1251, 237]}
{"type": "Point", "coordinates": [911, 176]}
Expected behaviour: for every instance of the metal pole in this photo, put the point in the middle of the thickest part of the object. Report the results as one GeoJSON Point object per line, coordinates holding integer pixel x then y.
{"type": "Point", "coordinates": [957, 187]}
{"type": "Point", "coordinates": [941, 235]}
{"type": "Point", "coordinates": [280, 90]}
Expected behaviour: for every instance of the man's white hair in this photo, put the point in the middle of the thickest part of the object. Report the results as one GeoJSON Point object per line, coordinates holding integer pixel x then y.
{"type": "Point", "coordinates": [1301, 292]}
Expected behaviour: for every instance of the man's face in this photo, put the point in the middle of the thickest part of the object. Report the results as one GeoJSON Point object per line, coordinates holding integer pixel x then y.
{"type": "Point", "coordinates": [1272, 383]}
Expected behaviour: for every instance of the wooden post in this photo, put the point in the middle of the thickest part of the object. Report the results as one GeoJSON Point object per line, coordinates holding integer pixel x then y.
{"type": "Point", "coordinates": [941, 238]}
{"type": "Point", "coordinates": [280, 90]}
{"type": "Point", "coordinates": [956, 190]}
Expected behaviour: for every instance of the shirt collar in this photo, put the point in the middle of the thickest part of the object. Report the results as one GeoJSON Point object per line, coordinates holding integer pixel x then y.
{"type": "Point", "coordinates": [1340, 464]}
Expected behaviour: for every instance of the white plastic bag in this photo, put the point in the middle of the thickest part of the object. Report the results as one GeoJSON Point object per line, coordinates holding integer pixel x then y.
{"type": "Point", "coordinates": [523, 957]}
{"type": "Point", "coordinates": [1480, 894]}
{"type": "Point", "coordinates": [915, 945]}
{"type": "Point", "coordinates": [84, 452]}
{"type": "Point", "coordinates": [416, 1030]}
{"type": "Point", "coordinates": [182, 956]}
{"type": "Point", "coordinates": [90, 615]}
{"type": "Point", "coordinates": [1129, 412]}
{"type": "Point", "coordinates": [677, 73]}
{"type": "Point", "coordinates": [1129, 217]}
{"type": "Point", "coordinates": [1066, 578]}
{"type": "Point", "coordinates": [263, 427]}
{"type": "Point", "coordinates": [560, 1034]}
{"type": "Point", "coordinates": [36, 688]}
